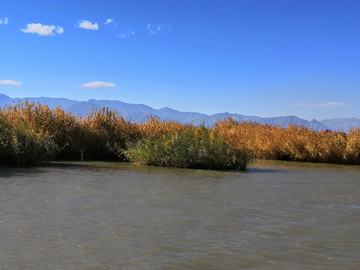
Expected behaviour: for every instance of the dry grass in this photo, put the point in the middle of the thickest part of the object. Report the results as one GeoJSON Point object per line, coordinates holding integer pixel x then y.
{"type": "Point", "coordinates": [292, 143]}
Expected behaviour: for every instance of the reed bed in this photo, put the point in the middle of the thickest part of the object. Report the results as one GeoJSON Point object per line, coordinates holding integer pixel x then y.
{"type": "Point", "coordinates": [31, 132]}
{"type": "Point", "coordinates": [294, 143]}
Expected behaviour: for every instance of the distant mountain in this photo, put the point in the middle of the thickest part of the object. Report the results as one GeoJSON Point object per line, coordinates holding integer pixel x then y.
{"type": "Point", "coordinates": [5, 100]}
{"type": "Point", "coordinates": [342, 123]}
{"type": "Point", "coordinates": [51, 102]}
{"type": "Point", "coordinates": [141, 112]}
{"type": "Point", "coordinates": [283, 121]}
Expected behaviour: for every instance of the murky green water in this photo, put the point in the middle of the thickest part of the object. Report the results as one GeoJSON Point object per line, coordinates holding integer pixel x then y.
{"type": "Point", "coordinates": [119, 216]}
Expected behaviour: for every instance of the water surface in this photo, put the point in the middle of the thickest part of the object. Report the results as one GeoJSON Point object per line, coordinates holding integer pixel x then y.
{"type": "Point", "coordinates": [85, 215]}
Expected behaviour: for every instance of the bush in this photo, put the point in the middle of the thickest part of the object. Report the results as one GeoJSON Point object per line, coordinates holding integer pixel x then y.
{"type": "Point", "coordinates": [194, 148]}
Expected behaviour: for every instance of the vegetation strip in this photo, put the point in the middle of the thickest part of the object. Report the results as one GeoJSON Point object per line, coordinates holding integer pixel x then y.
{"type": "Point", "coordinates": [32, 133]}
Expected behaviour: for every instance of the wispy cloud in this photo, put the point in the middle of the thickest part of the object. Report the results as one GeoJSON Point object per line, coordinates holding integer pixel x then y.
{"type": "Point", "coordinates": [98, 84]}
{"type": "Point", "coordinates": [109, 21]}
{"type": "Point", "coordinates": [4, 21]}
{"type": "Point", "coordinates": [87, 25]}
{"type": "Point", "coordinates": [110, 25]}
{"type": "Point", "coordinates": [42, 30]}
{"type": "Point", "coordinates": [118, 31]}
{"type": "Point", "coordinates": [155, 28]}
{"type": "Point", "coordinates": [126, 33]}
{"type": "Point", "coordinates": [10, 82]}
{"type": "Point", "coordinates": [326, 104]}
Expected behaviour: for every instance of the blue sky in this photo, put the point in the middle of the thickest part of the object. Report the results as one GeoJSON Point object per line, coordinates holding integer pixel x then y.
{"type": "Point", "coordinates": [252, 57]}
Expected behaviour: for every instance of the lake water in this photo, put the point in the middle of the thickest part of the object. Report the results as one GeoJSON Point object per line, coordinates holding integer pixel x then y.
{"type": "Point", "coordinates": [102, 215]}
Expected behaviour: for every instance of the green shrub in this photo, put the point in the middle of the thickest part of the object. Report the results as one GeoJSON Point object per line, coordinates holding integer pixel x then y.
{"type": "Point", "coordinates": [192, 148]}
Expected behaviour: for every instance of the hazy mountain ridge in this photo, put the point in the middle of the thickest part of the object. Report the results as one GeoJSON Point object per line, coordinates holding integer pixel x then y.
{"type": "Point", "coordinates": [5, 100]}
{"type": "Point", "coordinates": [342, 123]}
{"type": "Point", "coordinates": [141, 112]}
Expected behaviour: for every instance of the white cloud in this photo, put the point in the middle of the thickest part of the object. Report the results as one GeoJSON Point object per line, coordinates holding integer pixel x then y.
{"type": "Point", "coordinates": [59, 30]}
{"type": "Point", "coordinates": [10, 82]}
{"type": "Point", "coordinates": [87, 25]}
{"type": "Point", "coordinates": [98, 84]}
{"type": "Point", "coordinates": [42, 30]}
{"type": "Point", "coordinates": [109, 21]}
{"type": "Point", "coordinates": [4, 21]}
{"type": "Point", "coordinates": [326, 104]}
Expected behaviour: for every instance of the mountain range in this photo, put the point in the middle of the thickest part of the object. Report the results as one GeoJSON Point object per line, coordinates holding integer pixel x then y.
{"type": "Point", "coordinates": [141, 112]}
